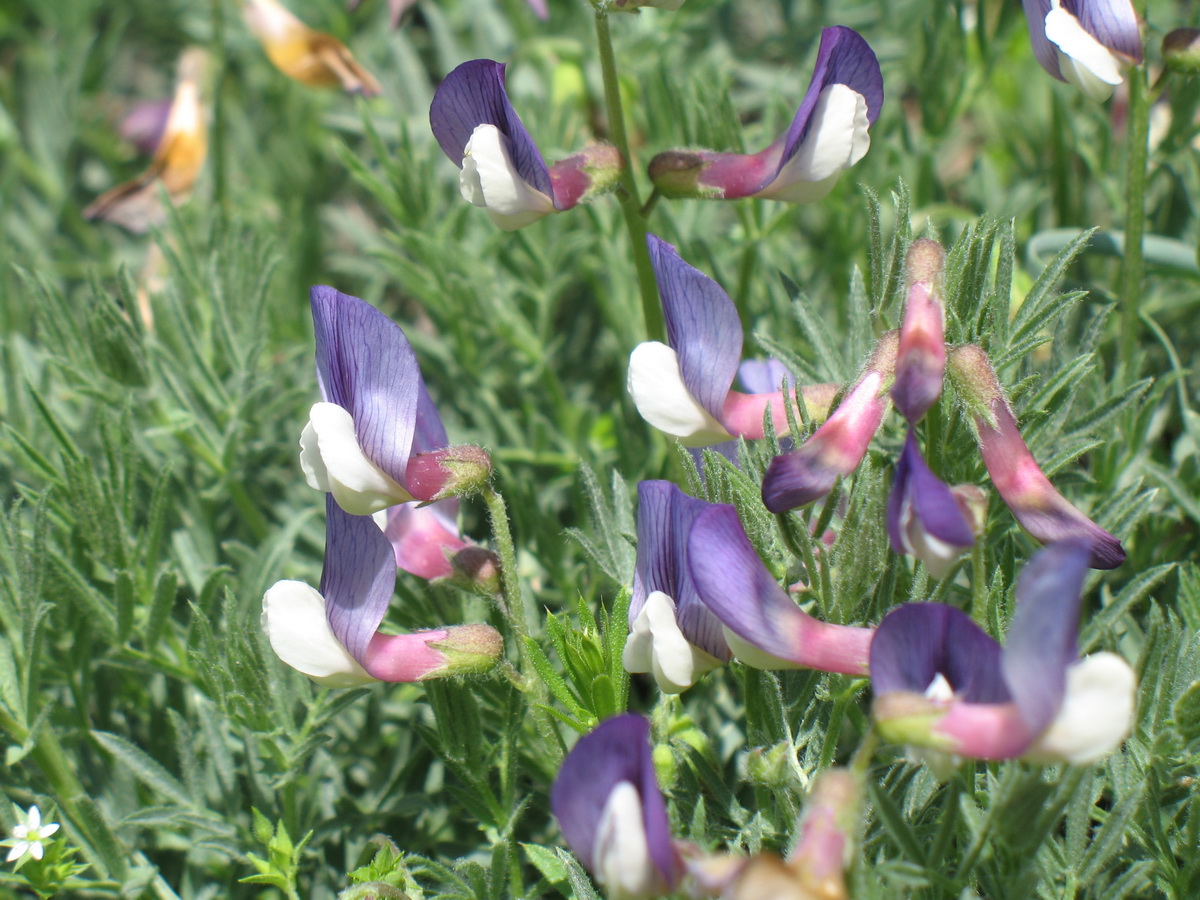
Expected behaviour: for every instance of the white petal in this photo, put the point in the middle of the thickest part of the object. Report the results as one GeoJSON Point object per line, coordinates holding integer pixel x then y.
{"type": "Point", "coordinates": [656, 385]}
{"type": "Point", "coordinates": [490, 179]}
{"type": "Point", "coordinates": [1082, 59]}
{"type": "Point", "coordinates": [838, 137]}
{"type": "Point", "coordinates": [332, 460]}
{"type": "Point", "coordinates": [48, 829]}
{"type": "Point", "coordinates": [1096, 715]}
{"type": "Point", "coordinates": [35, 850]}
{"type": "Point", "coordinates": [293, 617]}
{"type": "Point", "coordinates": [621, 854]}
{"type": "Point", "coordinates": [20, 832]}
{"type": "Point", "coordinates": [755, 657]}
{"type": "Point", "coordinates": [655, 644]}
{"type": "Point", "coordinates": [17, 851]}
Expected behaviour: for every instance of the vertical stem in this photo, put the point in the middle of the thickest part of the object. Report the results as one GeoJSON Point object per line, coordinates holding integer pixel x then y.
{"type": "Point", "coordinates": [1136, 154]}
{"type": "Point", "coordinates": [979, 588]}
{"type": "Point", "coordinates": [635, 224]}
{"type": "Point", "coordinates": [218, 130]}
{"type": "Point", "coordinates": [512, 603]}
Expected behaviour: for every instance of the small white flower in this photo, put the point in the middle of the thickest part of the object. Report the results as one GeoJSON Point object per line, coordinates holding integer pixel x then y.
{"type": "Point", "coordinates": [28, 836]}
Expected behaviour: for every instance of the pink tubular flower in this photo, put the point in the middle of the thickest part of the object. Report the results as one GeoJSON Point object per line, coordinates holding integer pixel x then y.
{"type": "Point", "coordinates": [921, 354]}
{"type": "Point", "coordinates": [807, 473]}
{"type": "Point", "coordinates": [1041, 510]}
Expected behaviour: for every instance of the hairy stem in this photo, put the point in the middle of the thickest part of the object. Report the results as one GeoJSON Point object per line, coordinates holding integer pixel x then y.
{"type": "Point", "coordinates": [631, 207]}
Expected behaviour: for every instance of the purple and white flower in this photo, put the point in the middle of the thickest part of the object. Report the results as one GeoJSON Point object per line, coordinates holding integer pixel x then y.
{"type": "Point", "coordinates": [370, 440]}
{"type": "Point", "coordinates": [829, 133]}
{"type": "Point", "coordinates": [941, 683]}
{"type": "Point", "coordinates": [672, 634]}
{"type": "Point", "coordinates": [502, 168]}
{"type": "Point", "coordinates": [612, 813]}
{"type": "Point", "coordinates": [684, 387]}
{"type": "Point", "coordinates": [332, 634]}
{"type": "Point", "coordinates": [927, 518]}
{"type": "Point", "coordinates": [1088, 43]}
{"type": "Point", "coordinates": [763, 625]}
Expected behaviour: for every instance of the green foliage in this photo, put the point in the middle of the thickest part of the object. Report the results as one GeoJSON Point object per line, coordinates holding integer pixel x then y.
{"type": "Point", "coordinates": [152, 388]}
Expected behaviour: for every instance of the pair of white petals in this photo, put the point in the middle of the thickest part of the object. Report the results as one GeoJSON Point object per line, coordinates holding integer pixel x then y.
{"type": "Point", "coordinates": [621, 854]}
{"type": "Point", "coordinates": [656, 645]}
{"type": "Point", "coordinates": [1082, 60]}
{"type": "Point", "coordinates": [838, 138]}
{"type": "Point", "coordinates": [333, 461]}
{"type": "Point", "coordinates": [293, 618]}
{"type": "Point", "coordinates": [489, 179]}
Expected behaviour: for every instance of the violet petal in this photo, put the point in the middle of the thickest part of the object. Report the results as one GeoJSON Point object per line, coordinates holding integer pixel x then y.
{"type": "Point", "coordinates": [366, 366]}
{"type": "Point", "coordinates": [665, 517]}
{"type": "Point", "coordinates": [617, 750]}
{"type": "Point", "coordinates": [358, 578]}
{"type": "Point", "coordinates": [733, 583]}
{"type": "Point", "coordinates": [844, 57]}
{"type": "Point", "coordinates": [1111, 22]}
{"type": "Point", "coordinates": [764, 376]}
{"type": "Point", "coordinates": [703, 327]}
{"type": "Point", "coordinates": [918, 641]}
{"type": "Point", "coordinates": [1043, 48]}
{"type": "Point", "coordinates": [1041, 641]}
{"type": "Point", "coordinates": [931, 500]}
{"type": "Point", "coordinates": [473, 95]}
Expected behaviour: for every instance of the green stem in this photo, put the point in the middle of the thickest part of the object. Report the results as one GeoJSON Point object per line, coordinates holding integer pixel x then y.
{"type": "Point", "coordinates": [1135, 214]}
{"type": "Point", "coordinates": [979, 591]}
{"type": "Point", "coordinates": [860, 764]}
{"type": "Point", "coordinates": [218, 130]}
{"type": "Point", "coordinates": [635, 223]}
{"type": "Point", "coordinates": [512, 604]}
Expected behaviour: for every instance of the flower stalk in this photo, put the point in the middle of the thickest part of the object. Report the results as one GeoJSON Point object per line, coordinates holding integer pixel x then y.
{"type": "Point", "coordinates": [631, 207]}
{"type": "Point", "coordinates": [1133, 264]}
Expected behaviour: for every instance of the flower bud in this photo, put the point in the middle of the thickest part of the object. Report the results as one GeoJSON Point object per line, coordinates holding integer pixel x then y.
{"type": "Point", "coordinates": [1181, 51]}
{"type": "Point", "coordinates": [449, 472]}
{"type": "Point", "coordinates": [468, 650]}
{"type": "Point", "coordinates": [594, 171]}
{"type": "Point", "coordinates": [676, 173]}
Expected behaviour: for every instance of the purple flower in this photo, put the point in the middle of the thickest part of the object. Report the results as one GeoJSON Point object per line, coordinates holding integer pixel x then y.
{"type": "Point", "coordinates": [502, 168]}
{"type": "Point", "coordinates": [926, 518]}
{"type": "Point", "coordinates": [375, 440]}
{"type": "Point", "coordinates": [672, 634]}
{"type": "Point", "coordinates": [763, 626]}
{"type": "Point", "coordinates": [807, 473]}
{"type": "Point", "coordinates": [683, 388]}
{"type": "Point", "coordinates": [940, 682]}
{"type": "Point", "coordinates": [332, 635]}
{"type": "Point", "coordinates": [1088, 43]}
{"type": "Point", "coordinates": [612, 813]}
{"type": "Point", "coordinates": [828, 134]}
{"type": "Point", "coordinates": [921, 355]}
{"type": "Point", "coordinates": [1041, 510]}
